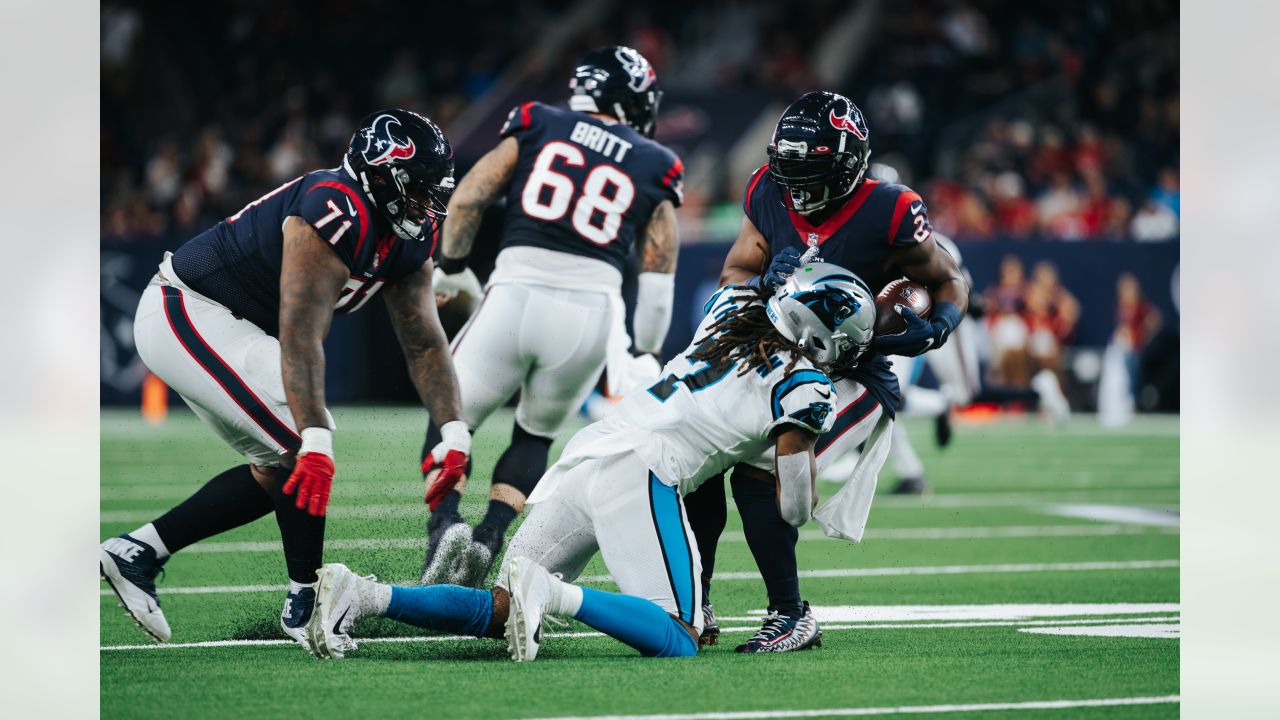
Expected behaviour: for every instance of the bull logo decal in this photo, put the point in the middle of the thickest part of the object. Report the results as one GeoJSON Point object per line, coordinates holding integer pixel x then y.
{"type": "Point", "coordinates": [851, 121]}
{"type": "Point", "coordinates": [384, 141]}
{"type": "Point", "coordinates": [640, 73]}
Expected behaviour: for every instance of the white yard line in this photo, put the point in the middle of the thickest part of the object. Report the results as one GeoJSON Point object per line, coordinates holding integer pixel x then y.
{"type": "Point", "coordinates": [948, 533]}
{"type": "Point", "coordinates": [829, 573]}
{"type": "Point", "coordinates": [899, 710]}
{"type": "Point", "coordinates": [724, 630]}
{"type": "Point", "coordinates": [1117, 514]}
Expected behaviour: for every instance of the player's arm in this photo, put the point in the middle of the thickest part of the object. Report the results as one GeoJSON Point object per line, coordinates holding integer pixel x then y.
{"type": "Point", "coordinates": [936, 269]}
{"type": "Point", "coordinates": [479, 188]}
{"type": "Point", "coordinates": [655, 292]}
{"type": "Point", "coordinates": [748, 258]}
{"type": "Point", "coordinates": [311, 280]}
{"type": "Point", "coordinates": [411, 305]}
{"type": "Point", "coordinates": [796, 469]}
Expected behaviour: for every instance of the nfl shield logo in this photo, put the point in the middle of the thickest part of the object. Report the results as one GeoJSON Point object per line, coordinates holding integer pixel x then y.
{"type": "Point", "coordinates": [813, 239]}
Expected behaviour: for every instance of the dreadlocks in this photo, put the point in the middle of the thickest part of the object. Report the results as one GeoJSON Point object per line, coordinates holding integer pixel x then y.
{"type": "Point", "coordinates": [745, 334]}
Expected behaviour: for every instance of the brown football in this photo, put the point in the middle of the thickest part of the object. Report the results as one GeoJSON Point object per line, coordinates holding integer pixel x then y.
{"type": "Point", "coordinates": [903, 292]}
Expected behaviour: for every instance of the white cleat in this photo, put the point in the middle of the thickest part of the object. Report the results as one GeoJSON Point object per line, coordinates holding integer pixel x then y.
{"type": "Point", "coordinates": [130, 568]}
{"type": "Point", "coordinates": [535, 595]}
{"type": "Point", "coordinates": [342, 597]}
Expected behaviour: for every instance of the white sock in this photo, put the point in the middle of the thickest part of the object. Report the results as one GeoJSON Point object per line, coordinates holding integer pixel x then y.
{"type": "Point", "coordinates": [570, 600]}
{"type": "Point", "coordinates": [378, 599]}
{"type": "Point", "coordinates": [147, 534]}
{"type": "Point", "coordinates": [295, 586]}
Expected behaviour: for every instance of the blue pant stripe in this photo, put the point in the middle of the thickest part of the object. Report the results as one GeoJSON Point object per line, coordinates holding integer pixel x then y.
{"type": "Point", "coordinates": [677, 555]}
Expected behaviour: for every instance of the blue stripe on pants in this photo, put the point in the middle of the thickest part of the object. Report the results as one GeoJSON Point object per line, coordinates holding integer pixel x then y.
{"type": "Point", "coordinates": [668, 520]}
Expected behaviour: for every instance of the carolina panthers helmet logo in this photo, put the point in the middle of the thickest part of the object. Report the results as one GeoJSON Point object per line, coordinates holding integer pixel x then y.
{"type": "Point", "coordinates": [830, 304]}
{"type": "Point", "coordinates": [384, 141]}
{"type": "Point", "coordinates": [640, 73]}
{"type": "Point", "coordinates": [851, 120]}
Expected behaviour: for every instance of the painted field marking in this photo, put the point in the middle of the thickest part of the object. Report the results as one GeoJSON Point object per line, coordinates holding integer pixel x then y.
{"type": "Point", "coordinates": [1164, 631]}
{"type": "Point", "coordinates": [950, 533]}
{"type": "Point", "coordinates": [1117, 514]}
{"type": "Point", "coordinates": [899, 710]}
{"type": "Point", "coordinates": [829, 573]}
{"type": "Point", "coordinates": [911, 613]}
{"type": "Point", "coordinates": [729, 630]}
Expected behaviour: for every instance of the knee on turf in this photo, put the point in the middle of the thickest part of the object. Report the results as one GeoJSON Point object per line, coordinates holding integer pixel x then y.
{"type": "Point", "coordinates": [523, 463]}
{"type": "Point", "coordinates": [677, 641]}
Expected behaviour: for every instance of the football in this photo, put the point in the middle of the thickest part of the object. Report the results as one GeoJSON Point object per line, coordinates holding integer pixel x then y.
{"type": "Point", "coordinates": [904, 292]}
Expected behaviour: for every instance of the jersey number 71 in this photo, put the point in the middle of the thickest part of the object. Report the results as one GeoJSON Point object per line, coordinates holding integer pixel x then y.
{"type": "Point", "coordinates": [606, 193]}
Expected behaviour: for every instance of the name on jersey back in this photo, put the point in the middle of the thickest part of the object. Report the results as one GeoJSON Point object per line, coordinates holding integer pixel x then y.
{"type": "Point", "coordinates": [601, 140]}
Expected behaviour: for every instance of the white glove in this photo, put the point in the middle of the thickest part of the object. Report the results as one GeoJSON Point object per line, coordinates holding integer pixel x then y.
{"type": "Point", "coordinates": [448, 285]}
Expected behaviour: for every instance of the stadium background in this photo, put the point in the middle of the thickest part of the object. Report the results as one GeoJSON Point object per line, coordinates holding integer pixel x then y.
{"type": "Point", "coordinates": [1040, 132]}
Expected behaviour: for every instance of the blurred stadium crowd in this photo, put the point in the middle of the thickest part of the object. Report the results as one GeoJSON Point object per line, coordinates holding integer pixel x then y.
{"type": "Point", "coordinates": [1048, 120]}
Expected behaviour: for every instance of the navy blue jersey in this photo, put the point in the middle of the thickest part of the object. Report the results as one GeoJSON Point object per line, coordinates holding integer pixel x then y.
{"type": "Point", "coordinates": [877, 219]}
{"type": "Point", "coordinates": [236, 263]}
{"type": "Point", "coordinates": [583, 185]}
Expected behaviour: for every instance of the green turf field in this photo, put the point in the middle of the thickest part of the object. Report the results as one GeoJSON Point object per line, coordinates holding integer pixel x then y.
{"type": "Point", "coordinates": [1042, 573]}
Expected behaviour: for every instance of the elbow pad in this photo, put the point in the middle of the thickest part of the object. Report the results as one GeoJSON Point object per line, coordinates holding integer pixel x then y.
{"type": "Point", "coordinates": [654, 297]}
{"type": "Point", "coordinates": [795, 480]}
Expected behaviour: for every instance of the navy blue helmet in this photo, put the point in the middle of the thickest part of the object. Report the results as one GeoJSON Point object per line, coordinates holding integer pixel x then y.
{"type": "Point", "coordinates": [616, 80]}
{"type": "Point", "coordinates": [819, 152]}
{"type": "Point", "coordinates": [405, 164]}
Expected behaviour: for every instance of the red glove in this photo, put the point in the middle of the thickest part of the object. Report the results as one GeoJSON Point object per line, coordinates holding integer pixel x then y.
{"type": "Point", "coordinates": [450, 458]}
{"type": "Point", "coordinates": [313, 472]}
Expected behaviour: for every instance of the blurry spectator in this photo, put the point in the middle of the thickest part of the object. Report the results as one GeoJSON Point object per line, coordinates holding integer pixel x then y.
{"type": "Point", "coordinates": [1063, 307]}
{"type": "Point", "coordinates": [402, 82]}
{"type": "Point", "coordinates": [1006, 326]}
{"type": "Point", "coordinates": [1154, 222]}
{"type": "Point", "coordinates": [1166, 190]}
{"type": "Point", "coordinates": [1015, 214]}
{"type": "Point", "coordinates": [164, 174]}
{"type": "Point", "coordinates": [1137, 322]}
{"type": "Point", "coordinates": [1060, 209]}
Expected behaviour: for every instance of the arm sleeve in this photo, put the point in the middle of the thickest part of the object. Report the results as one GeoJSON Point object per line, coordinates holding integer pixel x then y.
{"type": "Point", "coordinates": [339, 215]}
{"type": "Point", "coordinates": [910, 223]}
{"type": "Point", "coordinates": [804, 399]}
{"type": "Point", "coordinates": [654, 299]}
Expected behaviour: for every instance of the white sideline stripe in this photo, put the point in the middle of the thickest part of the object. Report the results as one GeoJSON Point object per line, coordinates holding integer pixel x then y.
{"type": "Point", "coordinates": [1117, 514]}
{"type": "Point", "coordinates": [899, 710]}
{"type": "Point", "coordinates": [729, 630]}
{"type": "Point", "coordinates": [951, 533]}
{"type": "Point", "coordinates": [836, 572]}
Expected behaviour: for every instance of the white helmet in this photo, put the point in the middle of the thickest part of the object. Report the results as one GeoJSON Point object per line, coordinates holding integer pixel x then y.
{"type": "Point", "coordinates": [826, 310]}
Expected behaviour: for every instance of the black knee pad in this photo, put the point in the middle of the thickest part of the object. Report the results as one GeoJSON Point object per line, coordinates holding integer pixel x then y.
{"type": "Point", "coordinates": [523, 463]}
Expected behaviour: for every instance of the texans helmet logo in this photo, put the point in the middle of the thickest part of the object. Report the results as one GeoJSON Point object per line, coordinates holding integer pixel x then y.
{"type": "Point", "coordinates": [381, 145]}
{"type": "Point", "coordinates": [640, 73]}
{"type": "Point", "coordinates": [851, 121]}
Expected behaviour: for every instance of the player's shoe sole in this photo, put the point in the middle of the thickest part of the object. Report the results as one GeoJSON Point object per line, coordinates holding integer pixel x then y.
{"type": "Point", "coordinates": [138, 605]}
{"type": "Point", "coordinates": [454, 543]}
{"type": "Point", "coordinates": [531, 589]}
{"type": "Point", "coordinates": [711, 627]}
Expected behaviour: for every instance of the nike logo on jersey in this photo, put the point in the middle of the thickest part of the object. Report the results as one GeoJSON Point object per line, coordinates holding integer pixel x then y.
{"type": "Point", "coordinates": [602, 141]}
{"type": "Point", "coordinates": [825, 394]}
{"type": "Point", "coordinates": [352, 208]}
{"type": "Point", "coordinates": [915, 207]}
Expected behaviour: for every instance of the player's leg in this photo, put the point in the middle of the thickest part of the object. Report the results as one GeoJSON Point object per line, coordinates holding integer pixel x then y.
{"type": "Point", "coordinates": [490, 366]}
{"type": "Point", "coordinates": [564, 334]}
{"type": "Point", "coordinates": [557, 534]}
{"type": "Point", "coordinates": [708, 513]}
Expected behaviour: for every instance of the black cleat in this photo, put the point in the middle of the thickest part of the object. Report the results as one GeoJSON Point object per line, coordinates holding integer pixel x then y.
{"type": "Point", "coordinates": [910, 486]}
{"type": "Point", "coordinates": [297, 613]}
{"type": "Point", "coordinates": [130, 567]}
{"type": "Point", "coordinates": [477, 558]}
{"type": "Point", "coordinates": [784, 633]}
{"type": "Point", "coordinates": [710, 628]}
{"type": "Point", "coordinates": [448, 535]}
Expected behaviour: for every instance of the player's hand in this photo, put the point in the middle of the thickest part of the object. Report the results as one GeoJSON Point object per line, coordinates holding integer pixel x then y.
{"type": "Point", "coordinates": [919, 336]}
{"type": "Point", "coordinates": [449, 285]}
{"type": "Point", "coordinates": [450, 458]}
{"type": "Point", "coordinates": [783, 266]}
{"type": "Point", "coordinates": [312, 476]}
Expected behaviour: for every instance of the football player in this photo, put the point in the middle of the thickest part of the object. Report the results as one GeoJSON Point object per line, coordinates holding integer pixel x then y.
{"type": "Point", "coordinates": [752, 380]}
{"type": "Point", "coordinates": [583, 186]}
{"type": "Point", "coordinates": [813, 196]}
{"type": "Point", "coordinates": [234, 322]}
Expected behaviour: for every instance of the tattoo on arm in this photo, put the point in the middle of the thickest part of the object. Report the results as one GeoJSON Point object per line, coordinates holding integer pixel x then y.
{"type": "Point", "coordinates": [661, 239]}
{"type": "Point", "coordinates": [477, 191]}
{"type": "Point", "coordinates": [311, 280]}
{"type": "Point", "coordinates": [411, 305]}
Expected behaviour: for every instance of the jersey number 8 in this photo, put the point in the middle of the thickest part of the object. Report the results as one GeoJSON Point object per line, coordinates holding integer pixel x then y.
{"type": "Point", "coordinates": [593, 198]}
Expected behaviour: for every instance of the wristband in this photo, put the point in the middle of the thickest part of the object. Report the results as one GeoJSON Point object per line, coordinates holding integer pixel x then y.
{"type": "Point", "coordinates": [451, 266]}
{"type": "Point", "coordinates": [947, 315]}
{"type": "Point", "coordinates": [456, 434]}
{"type": "Point", "coordinates": [317, 440]}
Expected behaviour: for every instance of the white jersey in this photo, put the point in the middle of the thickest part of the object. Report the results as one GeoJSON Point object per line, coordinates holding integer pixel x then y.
{"type": "Point", "coordinates": [697, 420]}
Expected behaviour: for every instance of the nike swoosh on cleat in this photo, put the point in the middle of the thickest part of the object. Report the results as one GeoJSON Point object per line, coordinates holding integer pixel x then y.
{"type": "Point", "coordinates": [337, 626]}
